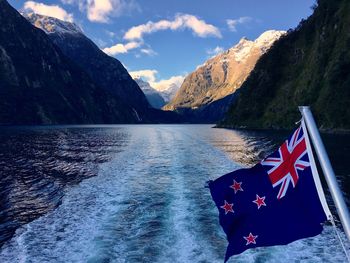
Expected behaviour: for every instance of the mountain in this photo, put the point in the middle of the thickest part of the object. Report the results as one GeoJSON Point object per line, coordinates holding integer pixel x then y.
{"type": "Point", "coordinates": [210, 113]}
{"type": "Point", "coordinates": [170, 92]}
{"type": "Point", "coordinates": [308, 66]}
{"type": "Point", "coordinates": [40, 85]}
{"type": "Point", "coordinates": [166, 88]}
{"type": "Point", "coordinates": [104, 70]}
{"type": "Point", "coordinates": [153, 96]}
{"type": "Point", "coordinates": [223, 74]}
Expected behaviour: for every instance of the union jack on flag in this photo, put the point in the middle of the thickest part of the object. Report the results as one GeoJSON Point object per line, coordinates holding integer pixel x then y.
{"type": "Point", "coordinates": [252, 216]}
{"type": "Point", "coordinates": [283, 166]}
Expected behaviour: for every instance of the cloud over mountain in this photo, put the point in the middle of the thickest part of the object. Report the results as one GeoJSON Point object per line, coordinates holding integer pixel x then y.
{"type": "Point", "coordinates": [168, 87]}
{"type": "Point", "coordinates": [233, 23]}
{"type": "Point", "coordinates": [121, 48]}
{"type": "Point", "coordinates": [182, 21]}
{"type": "Point", "coordinates": [48, 10]}
{"type": "Point", "coordinates": [102, 10]}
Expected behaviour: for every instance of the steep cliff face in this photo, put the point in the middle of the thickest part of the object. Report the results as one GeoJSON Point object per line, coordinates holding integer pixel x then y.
{"type": "Point", "coordinates": [308, 66]}
{"type": "Point", "coordinates": [106, 71]}
{"type": "Point", "coordinates": [39, 85]}
{"type": "Point", "coordinates": [223, 74]}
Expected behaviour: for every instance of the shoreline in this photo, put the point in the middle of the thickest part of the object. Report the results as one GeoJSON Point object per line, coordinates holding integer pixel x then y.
{"type": "Point", "coordinates": [244, 128]}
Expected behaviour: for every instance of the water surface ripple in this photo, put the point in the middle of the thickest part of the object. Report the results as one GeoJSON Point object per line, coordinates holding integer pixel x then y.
{"type": "Point", "coordinates": [147, 202]}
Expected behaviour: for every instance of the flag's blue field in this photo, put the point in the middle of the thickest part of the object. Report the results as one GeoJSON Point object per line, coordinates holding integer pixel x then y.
{"type": "Point", "coordinates": [128, 194]}
{"type": "Point", "coordinates": [278, 202]}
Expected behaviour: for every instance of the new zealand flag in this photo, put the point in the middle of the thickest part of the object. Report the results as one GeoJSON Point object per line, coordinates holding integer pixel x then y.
{"type": "Point", "coordinates": [273, 203]}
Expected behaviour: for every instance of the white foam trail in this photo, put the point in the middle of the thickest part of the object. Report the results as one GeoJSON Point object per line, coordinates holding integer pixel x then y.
{"type": "Point", "coordinates": [68, 234]}
{"type": "Point", "coordinates": [149, 205]}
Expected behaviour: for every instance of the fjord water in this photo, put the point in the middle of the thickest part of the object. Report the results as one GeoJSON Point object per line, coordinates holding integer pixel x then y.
{"type": "Point", "coordinates": [134, 194]}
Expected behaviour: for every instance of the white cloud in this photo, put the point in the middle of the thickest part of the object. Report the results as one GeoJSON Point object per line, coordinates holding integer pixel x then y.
{"type": "Point", "coordinates": [215, 50]}
{"type": "Point", "coordinates": [121, 48]}
{"type": "Point", "coordinates": [199, 27]}
{"type": "Point", "coordinates": [102, 10]}
{"type": "Point", "coordinates": [233, 23]}
{"type": "Point", "coordinates": [149, 52]}
{"type": "Point", "coordinates": [48, 10]}
{"type": "Point", "coordinates": [148, 74]}
{"type": "Point", "coordinates": [98, 10]}
{"type": "Point", "coordinates": [165, 84]}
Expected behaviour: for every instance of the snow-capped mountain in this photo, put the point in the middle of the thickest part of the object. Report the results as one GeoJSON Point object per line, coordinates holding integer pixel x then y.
{"type": "Point", "coordinates": [222, 74]}
{"type": "Point", "coordinates": [165, 88]}
{"type": "Point", "coordinates": [169, 93]}
{"type": "Point", "coordinates": [52, 25]}
{"type": "Point", "coordinates": [153, 96]}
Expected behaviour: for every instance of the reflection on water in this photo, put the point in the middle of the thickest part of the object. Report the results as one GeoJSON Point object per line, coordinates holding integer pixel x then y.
{"type": "Point", "coordinates": [147, 202]}
{"type": "Point", "coordinates": [37, 163]}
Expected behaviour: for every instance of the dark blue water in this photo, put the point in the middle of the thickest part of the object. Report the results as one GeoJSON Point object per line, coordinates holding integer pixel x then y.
{"type": "Point", "coordinates": [134, 194]}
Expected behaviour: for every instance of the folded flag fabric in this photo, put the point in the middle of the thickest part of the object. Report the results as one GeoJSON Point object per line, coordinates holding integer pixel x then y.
{"type": "Point", "coordinates": [276, 202]}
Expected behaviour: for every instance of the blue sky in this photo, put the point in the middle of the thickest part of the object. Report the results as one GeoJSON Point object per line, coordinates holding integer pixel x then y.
{"type": "Point", "coordinates": [180, 34]}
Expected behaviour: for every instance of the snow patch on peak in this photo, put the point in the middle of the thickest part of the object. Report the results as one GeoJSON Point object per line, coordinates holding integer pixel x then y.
{"type": "Point", "coordinates": [243, 41]}
{"type": "Point", "coordinates": [242, 49]}
{"type": "Point", "coordinates": [165, 88]}
{"type": "Point", "coordinates": [264, 42]}
{"type": "Point", "coordinates": [52, 25]}
{"type": "Point", "coordinates": [267, 38]}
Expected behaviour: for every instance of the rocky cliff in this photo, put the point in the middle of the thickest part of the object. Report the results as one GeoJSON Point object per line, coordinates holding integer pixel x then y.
{"type": "Point", "coordinates": [223, 74]}
{"type": "Point", "coordinates": [40, 85]}
{"type": "Point", "coordinates": [106, 71]}
{"type": "Point", "coordinates": [308, 66]}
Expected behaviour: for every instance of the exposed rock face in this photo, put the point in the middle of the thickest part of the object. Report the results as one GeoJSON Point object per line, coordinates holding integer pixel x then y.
{"type": "Point", "coordinates": [52, 25]}
{"type": "Point", "coordinates": [40, 85]}
{"type": "Point", "coordinates": [153, 96]}
{"type": "Point", "coordinates": [223, 74]}
{"type": "Point", "coordinates": [309, 66]}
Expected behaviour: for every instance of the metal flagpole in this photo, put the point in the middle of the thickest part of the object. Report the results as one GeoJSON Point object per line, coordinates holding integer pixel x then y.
{"type": "Point", "coordinates": [327, 169]}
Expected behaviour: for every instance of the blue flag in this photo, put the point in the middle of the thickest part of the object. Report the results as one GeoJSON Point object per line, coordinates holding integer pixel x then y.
{"type": "Point", "coordinates": [276, 202]}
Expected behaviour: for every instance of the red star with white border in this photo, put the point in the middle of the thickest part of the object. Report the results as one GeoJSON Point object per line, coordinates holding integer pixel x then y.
{"type": "Point", "coordinates": [259, 201]}
{"type": "Point", "coordinates": [236, 186]}
{"type": "Point", "coordinates": [227, 207]}
{"type": "Point", "coordinates": [250, 239]}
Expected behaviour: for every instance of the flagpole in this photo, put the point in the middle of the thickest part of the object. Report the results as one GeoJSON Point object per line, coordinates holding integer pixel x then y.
{"type": "Point", "coordinates": [327, 169]}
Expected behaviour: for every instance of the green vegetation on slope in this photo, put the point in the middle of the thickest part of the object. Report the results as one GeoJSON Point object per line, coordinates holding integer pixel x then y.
{"type": "Point", "coordinates": [309, 66]}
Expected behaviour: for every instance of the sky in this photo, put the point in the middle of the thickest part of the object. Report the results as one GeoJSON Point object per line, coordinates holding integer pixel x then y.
{"type": "Point", "coordinates": [162, 40]}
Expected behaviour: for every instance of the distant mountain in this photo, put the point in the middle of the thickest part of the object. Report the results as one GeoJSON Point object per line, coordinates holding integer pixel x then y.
{"type": "Point", "coordinates": [166, 88]}
{"type": "Point", "coordinates": [153, 96]}
{"type": "Point", "coordinates": [40, 85]}
{"type": "Point", "coordinates": [223, 74]}
{"type": "Point", "coordinates": [169, 92]}
{"type": "Point", "coordinates": [308, 66]}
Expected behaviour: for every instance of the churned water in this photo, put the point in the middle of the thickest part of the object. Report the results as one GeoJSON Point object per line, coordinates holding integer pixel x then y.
{"type": "Point", "coordinates": [132, 194]}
